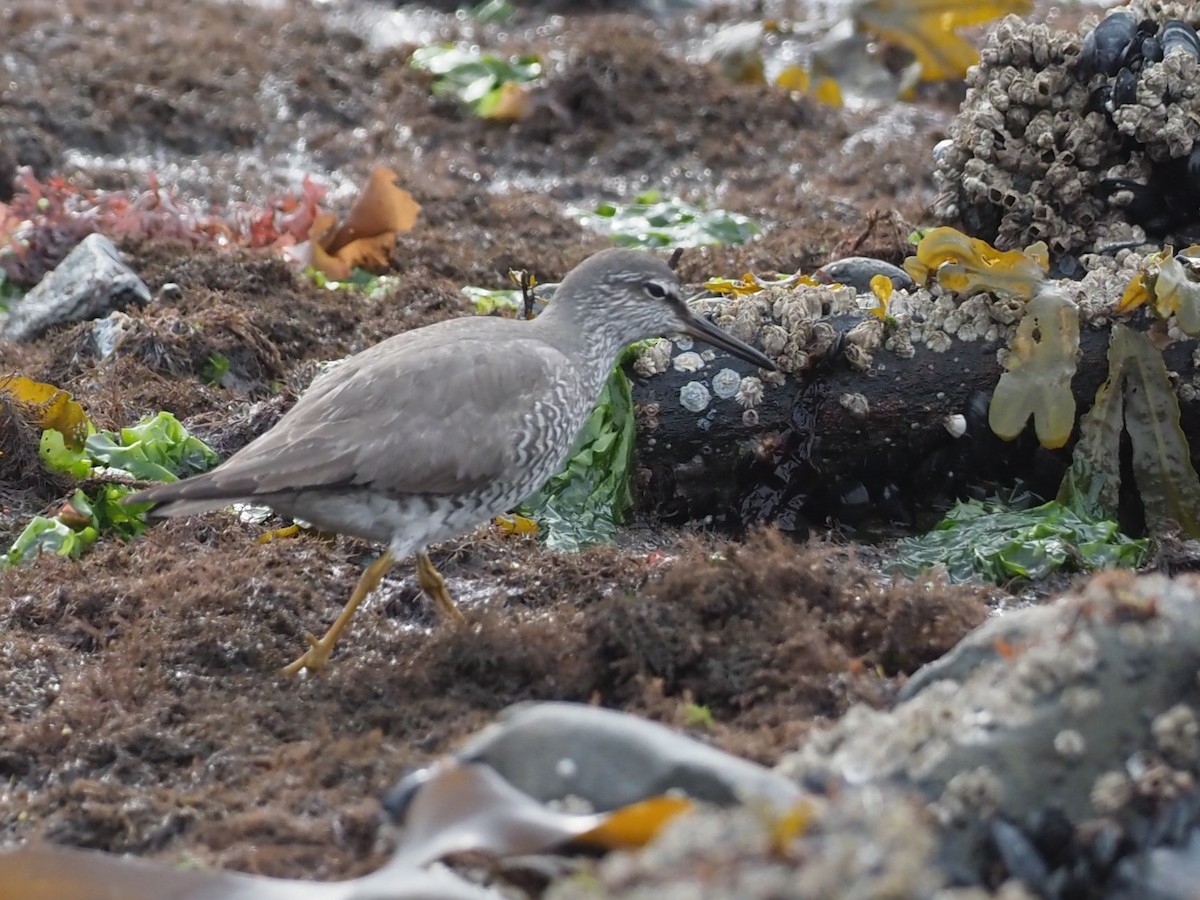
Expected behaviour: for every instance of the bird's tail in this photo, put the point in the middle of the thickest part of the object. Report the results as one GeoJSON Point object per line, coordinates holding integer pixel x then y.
{"type": "Point", "coordinates": [197, 494]}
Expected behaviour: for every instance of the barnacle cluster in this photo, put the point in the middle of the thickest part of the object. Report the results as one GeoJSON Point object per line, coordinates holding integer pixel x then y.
{"type": "Point", "coordinates": [962, 290]}
{"type": "Point", "coordinates": [1080, 141]}
{"type": "Point", "coordinates": [790, 323]}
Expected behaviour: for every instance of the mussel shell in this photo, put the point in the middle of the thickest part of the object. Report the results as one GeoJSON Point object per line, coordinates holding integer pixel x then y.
{"type": "Point", "coordinates": [1104, 47]}
{"type": "Point", "coordinates": [1100, 99]}
{"type": "Point", "coordinates": [1124, 89]}
{"type": "Point", "coordinates": [1179, 35]}
{"type": "Point", "coordinates": [1152, 51]}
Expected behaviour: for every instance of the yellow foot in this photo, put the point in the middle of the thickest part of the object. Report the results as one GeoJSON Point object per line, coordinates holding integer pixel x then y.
{"type": "Point", "coordinates": [434, 586]}
{"type": "Point", "coordinates": [315, 658]}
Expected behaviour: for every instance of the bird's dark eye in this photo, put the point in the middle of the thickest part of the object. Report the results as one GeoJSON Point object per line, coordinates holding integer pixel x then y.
{"type": "Point", "coordinates": [655, 290]}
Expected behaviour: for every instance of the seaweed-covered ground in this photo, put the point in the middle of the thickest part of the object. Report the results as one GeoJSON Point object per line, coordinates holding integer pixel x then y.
{"type": "Point", "coordinates": [140, 708]}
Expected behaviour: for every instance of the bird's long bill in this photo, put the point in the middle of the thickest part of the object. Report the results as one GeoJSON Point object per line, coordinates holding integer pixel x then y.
{"type": "Point", "coordinates": [706, 331]}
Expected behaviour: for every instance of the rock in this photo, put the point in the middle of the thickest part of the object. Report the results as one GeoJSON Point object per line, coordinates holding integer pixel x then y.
{"type": "Point", "coordinates": [867, 843]}
{"type": "Point", "coordinates": [1084, 710]}
{"type": "Point", "coordinates": [91, 282]}
{"type": "Point", "coordinates": [857, 272]}
{"type": "Point", "coordinates": [550, 751]}
{"type": "Point", "coordinates": [1165, 873]}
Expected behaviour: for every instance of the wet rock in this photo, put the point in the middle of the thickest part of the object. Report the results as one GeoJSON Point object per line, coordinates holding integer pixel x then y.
{"type": "Point", "coordinates": [1086, 707]}
{"type": "Point", "coordinates": [857, 272]}
{"type": "Point", "coordinates": [91, 282]}
{"type": "Point", "coordinates": [873, 842]}
{"type": "Point", "coordinates": [608, 759]}
{"type": "Point", "coordinates": [1162, 874]}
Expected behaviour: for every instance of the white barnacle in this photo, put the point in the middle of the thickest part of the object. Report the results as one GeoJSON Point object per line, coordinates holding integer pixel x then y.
{"type": "Point", "coordinates": [654, 359]}
{"type": "Point", "coordinates": [779, 379]}
{"type": "Point", "coordinates": [859, 359]}
{"type": "Point", "coordinates": [855, 404]}
{"type": "Point", "coordinates": [1177, 734]}
{"type": "Point", "coordinates": [694, 396]}
{"type": "Point", "coordinates": [773, 339]}
{"type": "Point", "coordinates": [938, 341]}
{"type": "Point", "coordinates": [867, 334]}
{"type": "Point", "coordinates": [750, 418]}
{"type": "Point", "coordinates": [688, 362]}
{"type": "Point", "coordinates": [1069, 744]}
{"type": "Point", "coordinates": [750, 392]}
{"type": "Point", "coordinates": [725, 383]}
{"type": "Point", "coordinates": [684, 342]}
{"type": "Point", "coordinates": [956, 425]}
{"type": "Point", "coordinates": [901, 344]}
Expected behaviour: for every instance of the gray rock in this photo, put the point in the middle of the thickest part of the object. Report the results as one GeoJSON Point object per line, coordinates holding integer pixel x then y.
{"type": "Point", "coordinates": [1088, 705]}
{"type": "Point", "coordinates": [612, 759]}
{"type": "Point", "coordinates": [857, 272]}
{"type": "Point", "coordinates": [1165, 873]}
{"type": "Point", "coordinates": [91, 282]}
{"type": "Point", "coordinates": [869, 843]}
{"type": "Point", "coordinates": [551, 751]}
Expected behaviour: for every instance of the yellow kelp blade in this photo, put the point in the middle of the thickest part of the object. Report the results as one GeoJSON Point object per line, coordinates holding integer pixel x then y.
{"type": "Point", "coordinates": [882, 287]}
{"type": "Point", "coordinates": [515, 524]}
{"type": "Point", "coordinates": [967, 265]}
{"type": "Point", "coordinates": [824, 89]}
{"type": "Point", "coordinates": [51, 407]}
{"type": "Point", "coordinates": [635, 825]}
{"type": "Point", "coordinates": [928, 29]}
{"type": "Point", "coordinates": [1040, 366]}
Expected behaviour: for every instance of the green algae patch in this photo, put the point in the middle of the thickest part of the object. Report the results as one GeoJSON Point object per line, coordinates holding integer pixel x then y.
{"type": "Point", "coordinates": [158, 448]}
{"type": "Point", "coordinates": [995, 542]}
{"type": "Point", "coordinates": [651, 221]}
{"type": "Point", "coordinates": [584, 503]}
{"type": "Point", "coordinates": [494, 87]}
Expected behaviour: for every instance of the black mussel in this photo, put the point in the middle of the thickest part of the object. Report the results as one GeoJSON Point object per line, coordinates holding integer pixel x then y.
{"type": "Point", "coordinates": [1147, 206]}
{"type": "Point", "coordinates": [1100, 99]}
{"type": "Point", "coordinates": [1152, 51]}
{"type": "Point", "coordinates": [857, 272]}
{"type": "Point", "coordinates": [1104, 47]}
{"type": "Point", "coordinates": [1020, 857]}
{"type": "Point", "coordinates": [1144, 38]}
{"type": "Point", "coordinates": [1124, 90]}
{"type": "Point", "coordinates": [1179, 35]}
{"type": "Point", "coordinates": [1168, 203]}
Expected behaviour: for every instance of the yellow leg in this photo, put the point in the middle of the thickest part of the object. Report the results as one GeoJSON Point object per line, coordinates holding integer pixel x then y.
{"type": "Point", "coordinates": [432, 583]}
{"type": "Point", "coordinates": [316, 657]}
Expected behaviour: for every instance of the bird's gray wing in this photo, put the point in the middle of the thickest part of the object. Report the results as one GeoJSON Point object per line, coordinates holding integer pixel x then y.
{"type": "Point", "coordinates": [443, 419]}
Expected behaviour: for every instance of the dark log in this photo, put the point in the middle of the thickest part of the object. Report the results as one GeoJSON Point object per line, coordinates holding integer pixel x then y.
{"type": "Point", "coordinates": [811, 462]}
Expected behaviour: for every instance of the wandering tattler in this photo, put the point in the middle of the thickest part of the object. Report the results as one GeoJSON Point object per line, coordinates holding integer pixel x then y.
{"type": "Point", "coordinates": [432, 432]}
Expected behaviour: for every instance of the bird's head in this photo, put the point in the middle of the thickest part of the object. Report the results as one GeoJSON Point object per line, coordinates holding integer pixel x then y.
{"type": "Point", "coordinates": [630, 296]}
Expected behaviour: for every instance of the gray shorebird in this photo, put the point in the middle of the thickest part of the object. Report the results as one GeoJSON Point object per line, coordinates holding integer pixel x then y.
{"type": "Point", "coordinates": [432, 432]}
